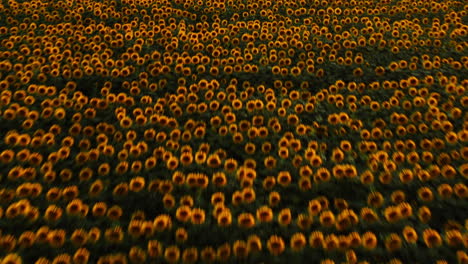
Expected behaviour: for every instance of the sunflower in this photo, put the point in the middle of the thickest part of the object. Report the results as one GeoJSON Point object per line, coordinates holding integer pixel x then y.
{"type": "Point", "coordinates": [94, 234]}
{"type": "Point", "coordinates": [79, 237]}
{"type": "Point", "coordinates": [269, 182]}
{"type": "Point", "coordinates": [264, 214]}
{"type": "Point", "coordinates": [453, 238]}
{"type": "Point", "coordinates": [406, 176]}
{"type": "Point", "coordinates": [172, 254]}
{"type": "Point", "coordinates": [305, 184]}
{"type": "Point", "coordinates": [358, 72]}
{"type": "Point", "coordinates": [392, 214]}
{"type": "Point", "coordinates": [327, 219]}
{"type": "Point", "coordinates": [274, 198]}
{"type": "Point", "coordinates": [178, 178]}
{"type": "Point", "coordinates": [217, 197]}
{"type": "Point", "coordinates": [410, 234]}
{"type": "Point", "coordinates": [425, 194]}
{"type": "Point", "coordinates": [270, 162]}
{"type": "Point", "coordinates": [200, 157]}
{"type": "Point", "coordinates": [379, 71]}
{"type": "Point", "coordinates": [181, 235]}
{"type": "Point", "coordinates": [8, 155]}
{"type": "Point", "coordinates": [137, 184]}
{"type": "Point", "coordinates": [393, 242]}
{"type": "Point", "coordinates": [424, 214]}
{"type": "Point", "coordinates": [56, 238]}
{"type": "Point", "coordinates": [432, 238]}
{"type": "Point", "coordinates": [240, 249]}
{"type": "Point", "coordinates": [284, 178]}
{"type": "Point", "coordinates": [52, 213]}
{"type": "Point", "coordinates": [369, 215]}
{"type": "Point", "coordinates": [168, 201]}
{"type": "Point", "coordinates": [275, 245]}
{"type": "Point", "coordinates": [81, 256]}
{"type": "Point", "coordinates": [126, 122]}
{"type": "Point", "coordinates": [248, 195]}
{"type": "Point", "coordinates": [314, 207]}
{"type": "Point", "coordinates": [147, 228]}
{"type": "Point", "coordinates": [322, 173]}
{"type": "Point", "coordinates": [369, 240]}
{"type": "Point", "coordinates": [219, 179]}
{"type": "Point", "coordinates": [348, 171]}
{"type": "Point", "coordinates": [298, 242]}
{"type": "Point", "coordinates": [462, 257]}
{"type": "Point", "coordinates": [99, 209]}
{"type": "Point", "coordinates": [224, 219]}
{"type": "Point", "coordinates": [412, 157]}
{"type": "Point", "coordinates": [162, 222]}
{"type": "Point", "coordinates": [405, 209]}
{"type": "Point", "coordinates": [337, 155]}
{"type": "Point", "coordinates": [23, 190]}
{"type": "Point", "coordinates": [41, 234]}
{"type": "Point", "coordinates": [246, 220]}
{"type": "Point", "coordinates": [460, 190]}
{"type": "Point", "coordinates": [284, 217]}
{"type": "Point", "coordinates": [122, 167]}
{"type": "Point", "coordinates": [213, 161]}
{"type": "Point", "coordinates": [223, 252]}
{"type": "Point", "coordinates": [62, 259]}
{"type": "Point", "coordinates": [154, 248]}
{"type": "Point", "coordinates": [114, 213]}
{"type": "Point", "coordinates": [17, 172]}
{"type": "Point", "coordinates": [338, 171]}
{"type": "Point", "coordinates": [451, 137]}
{"type": "Point", "coordinates": [427, 157]}
{"type": "Point", "coordinates": [444, 160]}
{"type": "Point", "coordinates": [137, 255]}
{"type": "Point", "coordinates": [351, 256]}
{"type": "Point", "coordinates": [237, 198]}
{"type": "Point", "coordinates": [230, 165]}
{"type": "Point", "coordinates": [343, 243]}
{"type": "Point", "coordinates": [254, 244]}
{"type": "Point", "coordinates": [120, 190]}
{"type": "Point", "coordinates": [197, 216]}
{"type": "Point", "coordinates": [8, 243]}
{"type": "Point", "coordinates": [445, 191]}
{"type": "Point", "coordinates": [367, 177]}
{"type": "Point", "coordinates": [172, 163]}
{"type": "Point", "coordinates": [316, 239]}
{"type": "Point", "coordinates": [208, 254]}
{"type": "Point", "coordinates": [448, 171]}
{"type": "Point", "coordinates": [333, 119]}
{"type": "Point", "coordinates": [330, 242]}
{"type": "Point", "coordinates": [375, 199]}
{"type": "Point", "coordinates": [166, 186]}
{"type": "Point", "coordinates": [74, 207]}
{"type": "Point", "coordinates": [340, 204]}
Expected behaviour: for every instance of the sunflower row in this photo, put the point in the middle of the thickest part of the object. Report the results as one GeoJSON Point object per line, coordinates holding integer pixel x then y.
{"type": "Point", "coordinates": [244, 175]}
{"type": "Point", "coordinates": [241, 249]}
{"type": "Point", "coordinates": [197, 180]}
{"type": "Point", "coordinates": [264, 214]}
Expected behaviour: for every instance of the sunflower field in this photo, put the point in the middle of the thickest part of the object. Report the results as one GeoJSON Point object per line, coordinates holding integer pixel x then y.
{"type": "Point", "coordinates": [233, 131]}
